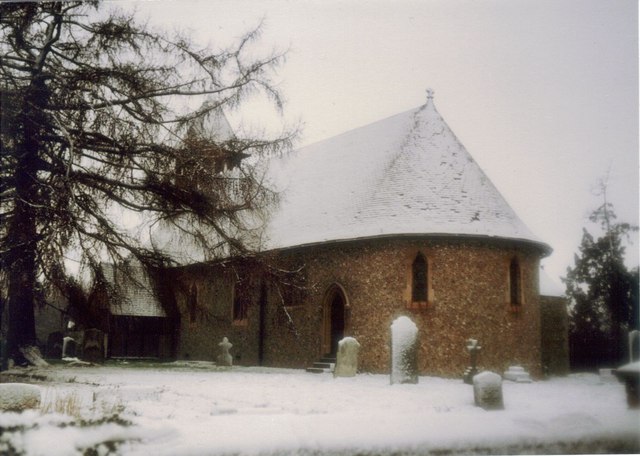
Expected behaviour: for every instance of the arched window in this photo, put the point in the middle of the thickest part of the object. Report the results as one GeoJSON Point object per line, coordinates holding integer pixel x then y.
{"type": "Point", "coordinates": [193, 303]}
{"type": "Point", "coordinates": [515, 287]}
{"type": "Point", "coordinates": [419, 283]}
{"type": "Point", "coordinates": [240, 303]}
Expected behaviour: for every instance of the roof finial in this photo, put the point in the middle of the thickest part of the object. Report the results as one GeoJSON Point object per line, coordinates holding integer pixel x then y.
{"type": "Point", "coordinates": [430, 93]}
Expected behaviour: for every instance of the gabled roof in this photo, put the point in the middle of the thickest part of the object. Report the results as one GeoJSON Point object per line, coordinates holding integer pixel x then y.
{"type": "Point", "coordinates": [404, 175]}
{"type": "Point", "coordinates": [137, 297]}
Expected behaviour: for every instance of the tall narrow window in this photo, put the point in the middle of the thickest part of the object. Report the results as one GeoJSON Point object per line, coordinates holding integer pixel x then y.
{"type": "Point", "coordinates": [193, 303]}
{"type": "Point", "coordinates": [514, 282]}
{"type": "Point", "coordinates": [240, 303]}
{"type": "Point", "coordinates": [419, 289]}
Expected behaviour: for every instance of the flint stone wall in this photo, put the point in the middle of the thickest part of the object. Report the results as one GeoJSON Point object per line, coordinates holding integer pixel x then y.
{"type": "Point", "coordinates": [469, 291]}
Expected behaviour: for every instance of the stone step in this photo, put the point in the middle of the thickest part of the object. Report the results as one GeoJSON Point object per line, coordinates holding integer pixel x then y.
{"type": "Point", "coordinates": [326, 365]}
{"type": "Point", "coordinates": [316, 370]}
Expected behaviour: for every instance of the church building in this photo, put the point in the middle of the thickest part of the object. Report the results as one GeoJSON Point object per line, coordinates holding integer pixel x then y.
{"type": "Point", "coordinates": [393, 218]}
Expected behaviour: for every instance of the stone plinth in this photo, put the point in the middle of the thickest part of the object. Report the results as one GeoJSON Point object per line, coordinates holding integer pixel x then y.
{"type": "Point", "coordinates": [517, 374]}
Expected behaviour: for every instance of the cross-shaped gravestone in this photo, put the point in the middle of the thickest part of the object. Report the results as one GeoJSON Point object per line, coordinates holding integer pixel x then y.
{"type": "Point", "coordinates": [473, 347]}
{"type": "Point", "coordinates": [224, 358]}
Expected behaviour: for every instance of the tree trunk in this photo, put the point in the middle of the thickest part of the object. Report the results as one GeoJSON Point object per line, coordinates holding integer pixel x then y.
{"type": "Point", "coordinates": [21, 331]}
{"type": "Point", "coordinates": [22, 231]}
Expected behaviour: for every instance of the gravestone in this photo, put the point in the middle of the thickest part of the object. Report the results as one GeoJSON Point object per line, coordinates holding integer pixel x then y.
{"type": "Point", "coordinates": [404, 351]}
{"type": "Point", "coordinates": [473, 347]}
{"type": "Point", "coordinates": [634, 345]}
{"type": "Point", "coordinates": [69, 347]}
{"type": "Point", "coordinates": [225, 358]}
{"type": "Point", "coordinates": [629, 374]}
{"type": "Point", "coordinates": [347, 358]}
{"type": "Point", "coordinates": [487, 391]}
{"type": "Point", "coordinates": [606, 375]}
{"type": "Point", "coordinates": [93, 346]}
{"type": "Point", "coordinates": [517, 374]}
{"type": "Point", "coordinates": [15, 397]}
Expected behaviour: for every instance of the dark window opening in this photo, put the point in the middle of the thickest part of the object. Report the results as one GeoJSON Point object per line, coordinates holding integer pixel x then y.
{"type": "Point", "coordinates": [193, 304]}
{"type": "Point", "coordinates": [514, 282]}
{"type": "Point", "coordinates": [419, 291]}
{"type": "Point", "coordinates": [240, 302]}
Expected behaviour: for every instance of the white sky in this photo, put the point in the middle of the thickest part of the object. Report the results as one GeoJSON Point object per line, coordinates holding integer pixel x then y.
{"type": "Point", "coordinates": [542, 93]}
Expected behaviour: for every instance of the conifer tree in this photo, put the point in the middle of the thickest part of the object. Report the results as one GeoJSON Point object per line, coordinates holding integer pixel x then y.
{"type": "Point", "coordinates": [603, 293]}
{"type": "Point", "coordinates": [93, 125]}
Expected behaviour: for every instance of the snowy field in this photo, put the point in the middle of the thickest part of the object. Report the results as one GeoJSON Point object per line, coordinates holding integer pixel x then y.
{"type": "Point", "coordinates": [198, 409]}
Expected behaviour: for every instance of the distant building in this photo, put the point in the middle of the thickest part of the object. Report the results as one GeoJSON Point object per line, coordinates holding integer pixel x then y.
{"type": "Point", "coordinates": [393, 218]}
{"type": "Point", "coordinates": [135, 322]}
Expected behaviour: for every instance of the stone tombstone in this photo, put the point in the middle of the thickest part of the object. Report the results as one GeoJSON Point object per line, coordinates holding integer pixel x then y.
{"type": "Point", "coordinates": [629, 374]}
{"type": "Point", "coordinates": [487, 391]}
{"type": "Point", "coordinates": [69, 347]}
{"type": "Point", "coordinates": [93, 346]}
{"type": "Point", "coordinates": [225, 358]}
{"type": "Point", "coordinates": [15, 397]}
{"type": "Point", "coordinates": [634, 345]}
{"type": "Point", "coordinates": [404, 351]}
{"type": "Point", "coordinates": [347, 358]}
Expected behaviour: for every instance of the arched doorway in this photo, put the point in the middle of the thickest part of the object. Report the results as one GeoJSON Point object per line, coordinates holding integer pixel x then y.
{"type": "Point", "coordinates": [335, 304]}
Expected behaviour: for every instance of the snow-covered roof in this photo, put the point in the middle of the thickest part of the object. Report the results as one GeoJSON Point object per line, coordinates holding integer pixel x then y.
{"type": "Point", "coordinates": [137, 295]}
{"type": "Point", "coordinates": [404, 175]}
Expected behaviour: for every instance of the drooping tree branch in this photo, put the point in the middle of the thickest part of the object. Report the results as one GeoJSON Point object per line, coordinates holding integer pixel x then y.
{"type": "Point", "coordinates": [94, 136]}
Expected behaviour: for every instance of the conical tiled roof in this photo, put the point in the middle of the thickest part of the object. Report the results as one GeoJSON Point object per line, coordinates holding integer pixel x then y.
{"type": "Point", "coordinates": [404, 175]}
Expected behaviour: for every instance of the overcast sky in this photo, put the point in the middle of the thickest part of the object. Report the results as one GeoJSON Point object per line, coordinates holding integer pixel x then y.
{"type": "Point", "coordinates": [543, 94]}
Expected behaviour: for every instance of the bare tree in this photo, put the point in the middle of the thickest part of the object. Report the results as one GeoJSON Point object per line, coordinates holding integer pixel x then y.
{"type": "Point", "coordinates": [93, 128]}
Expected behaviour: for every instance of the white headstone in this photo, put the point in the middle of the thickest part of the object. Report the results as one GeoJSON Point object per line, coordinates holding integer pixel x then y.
{"type": "Point", "coordinates": [634, 345]}
{"type": "Point", "coordinates": [404, 351]}
{"type": "Point", "coordinates": [347, 358]}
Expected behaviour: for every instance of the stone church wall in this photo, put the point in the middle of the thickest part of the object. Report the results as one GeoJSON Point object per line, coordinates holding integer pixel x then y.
{"type": "Point", "coordinates": [469, 285]}
{"type": "Point", "coordinates": [468, 298]}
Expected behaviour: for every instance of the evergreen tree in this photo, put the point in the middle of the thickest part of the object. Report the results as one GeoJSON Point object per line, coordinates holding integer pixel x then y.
{"type": "Point", "coordinates": [603, 294]}
{"type": "Point", "coordinates": [93, 127]}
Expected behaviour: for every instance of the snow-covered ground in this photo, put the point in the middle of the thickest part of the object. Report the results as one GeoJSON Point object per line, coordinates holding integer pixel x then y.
{"type": "Point", "coordinates": [199, 409]}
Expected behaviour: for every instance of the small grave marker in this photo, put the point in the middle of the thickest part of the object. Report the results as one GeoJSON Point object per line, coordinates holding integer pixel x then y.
{"type": "Point", "coordinates": [487, 391]}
